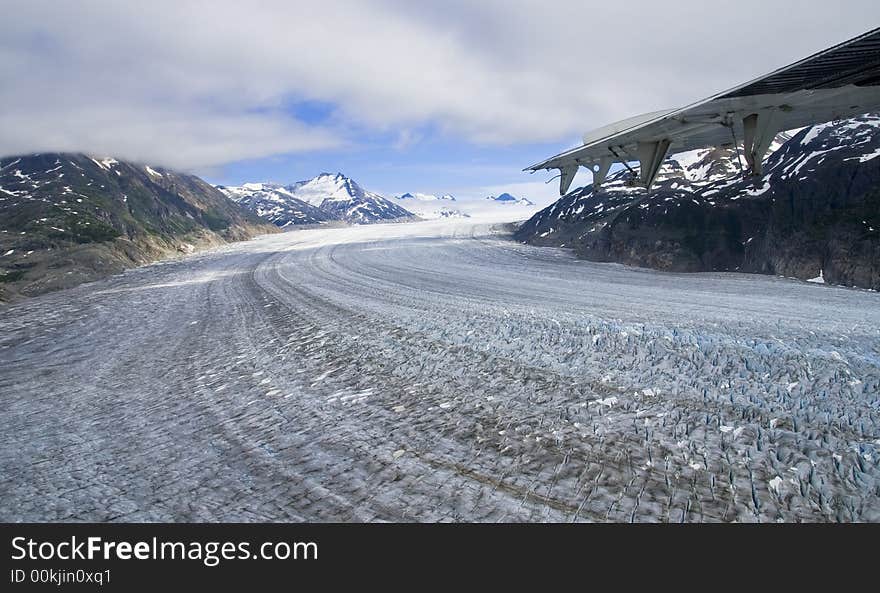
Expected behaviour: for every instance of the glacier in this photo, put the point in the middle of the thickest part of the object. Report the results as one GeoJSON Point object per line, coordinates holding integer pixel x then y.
{"type": "Point", "coordinates": [438, 371]}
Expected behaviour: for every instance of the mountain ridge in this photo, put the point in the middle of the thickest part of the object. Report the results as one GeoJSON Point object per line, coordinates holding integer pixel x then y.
{"type": "Point", "coordinates": [321, 199]}
{"type": "Point", "coordinates": [67, 218]}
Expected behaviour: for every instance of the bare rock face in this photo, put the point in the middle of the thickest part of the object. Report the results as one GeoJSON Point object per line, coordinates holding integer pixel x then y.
{"type": "Point", "coordinates": [814, 215]}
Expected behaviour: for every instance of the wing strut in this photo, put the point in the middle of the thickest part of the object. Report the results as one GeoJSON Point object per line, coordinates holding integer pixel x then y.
{"type": "Point", "coordinates": [600, 172]}
{"type": "Point", "coordinates": [651, 155]}
{"type": "Point", "coordinates": [566, 177]}
{"type": "Point", "coordinates": [759, 130]}
{"type": "Point", "coordinates": [623, 161]}
{"type": "Point", "coordinates": [736, 147]}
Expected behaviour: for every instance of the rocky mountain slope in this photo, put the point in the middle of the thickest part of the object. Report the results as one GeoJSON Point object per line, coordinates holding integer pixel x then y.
{"type": "Point", "coordinates": [814, 215]}
{"type": "Point", "coordinates": [71, 218]}
{"type": "Point", "coordinates": [326, 197]}
{"type": "Point", "coordinates": [275, 203]}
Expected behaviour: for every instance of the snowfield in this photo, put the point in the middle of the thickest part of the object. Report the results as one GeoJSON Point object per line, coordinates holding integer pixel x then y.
{"type": "Point", "coordinates": [437, 371]}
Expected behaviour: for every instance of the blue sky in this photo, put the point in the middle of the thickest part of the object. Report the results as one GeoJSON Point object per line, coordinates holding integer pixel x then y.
{"type": "Point", "coordinates": [392, 162]}
{"type": "Point", "coordinates": [425, 160]}
{"type": "Point", "coordinates": [454, 96]}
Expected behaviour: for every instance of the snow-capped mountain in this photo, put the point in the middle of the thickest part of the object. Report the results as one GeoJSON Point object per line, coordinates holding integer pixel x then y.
{"type": "Point", "coordinates": [815, 213]}
{"type": "Point", "coordinates": [425, 197]}
{"type": "Point", "coordinates": [275, 203]}
{"type": "Point", "coordinates": [322, 198]}
{"type": "Point", "coordinates": [504, 207]}
{"type": "Point", "coordinates": [433, 211]}
{"type": "Point", "coordinates": [508, 199]}
{"type": "Point", "coordinates": [430, 206]}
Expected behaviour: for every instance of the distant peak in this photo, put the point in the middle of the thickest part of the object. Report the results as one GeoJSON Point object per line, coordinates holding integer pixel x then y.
{"type": "Point", "coordinates": [507, 198]}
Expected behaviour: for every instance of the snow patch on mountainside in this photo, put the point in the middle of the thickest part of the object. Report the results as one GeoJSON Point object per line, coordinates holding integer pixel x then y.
{"type": "Point", "coordinates": [275, 203]}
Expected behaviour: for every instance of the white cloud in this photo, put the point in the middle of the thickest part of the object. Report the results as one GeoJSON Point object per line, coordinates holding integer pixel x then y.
{"type": "Point", "coordinates": [159, 135]}
{"type": "Point", "coordinates": [198, 84]}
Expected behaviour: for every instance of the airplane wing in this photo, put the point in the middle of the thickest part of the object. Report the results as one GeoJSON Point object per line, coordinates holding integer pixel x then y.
{"type": "Point", "coordinates": [837, 83]}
